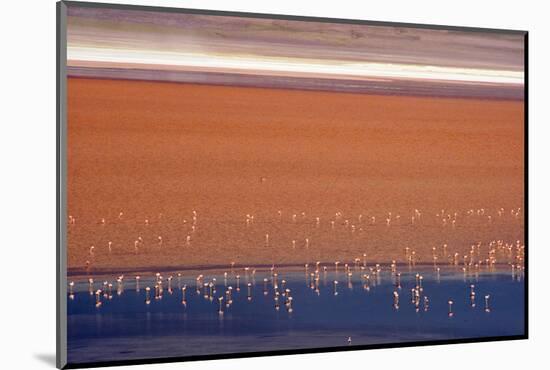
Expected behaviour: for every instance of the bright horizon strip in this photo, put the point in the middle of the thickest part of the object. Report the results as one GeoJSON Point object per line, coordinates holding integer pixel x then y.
{"type": "Point", "coordinates": [281, 65]}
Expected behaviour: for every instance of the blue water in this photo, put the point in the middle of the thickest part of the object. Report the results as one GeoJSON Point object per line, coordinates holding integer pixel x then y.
{"type": "Point", "coordinates": [125, 327]}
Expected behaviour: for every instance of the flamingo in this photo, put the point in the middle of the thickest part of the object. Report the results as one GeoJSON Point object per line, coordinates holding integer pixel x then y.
{"type": "Point", "coordinates": [220, 299]}
{"type": "Point", "coordinates": [147, 295]}
{"type": "Point", "coordinates": [397, 280]}
{"type": "Point", "coordinates": [91, 286]}
{"type": "Point", "coordinates": [183, 289]}
{"type": "Point", "coordinates": [98, 298]}
{"type": "Point", "coordinates": [288, 304]}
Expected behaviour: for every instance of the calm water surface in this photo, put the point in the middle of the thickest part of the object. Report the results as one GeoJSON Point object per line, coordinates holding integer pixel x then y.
{"type": "Point", "coordinates": [124, 327]}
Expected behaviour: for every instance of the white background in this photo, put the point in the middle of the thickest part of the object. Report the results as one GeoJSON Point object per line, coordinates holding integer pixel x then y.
{"type": "Point", "coordinates": [27, 181]}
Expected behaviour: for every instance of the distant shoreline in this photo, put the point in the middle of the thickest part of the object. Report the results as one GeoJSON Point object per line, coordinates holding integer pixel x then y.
{"type": "Point", "coordinates": [79, 273]}
{"type": "Point", "coordinates": [395, 87]}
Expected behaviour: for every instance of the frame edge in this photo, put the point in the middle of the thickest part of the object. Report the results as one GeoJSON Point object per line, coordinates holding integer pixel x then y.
{"type": "Point", "coordinates": [61, 196]}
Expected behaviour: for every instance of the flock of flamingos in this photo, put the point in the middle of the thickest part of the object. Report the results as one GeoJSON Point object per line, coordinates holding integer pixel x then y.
{"type": "Point", "coordinates": [353, 225]}
{"type": "Point", "coordinates": [481, 257]}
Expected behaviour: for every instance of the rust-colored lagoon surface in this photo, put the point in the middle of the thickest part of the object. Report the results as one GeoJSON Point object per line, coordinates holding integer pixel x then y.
{"type": "Point", "coordinates": [180, 176]}
{"type": "Point", "coordinates": [208, 220]}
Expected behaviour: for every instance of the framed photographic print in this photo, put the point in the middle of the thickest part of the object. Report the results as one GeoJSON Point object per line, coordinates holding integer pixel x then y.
{"type": "Point", "coordinates": [235, 184]}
